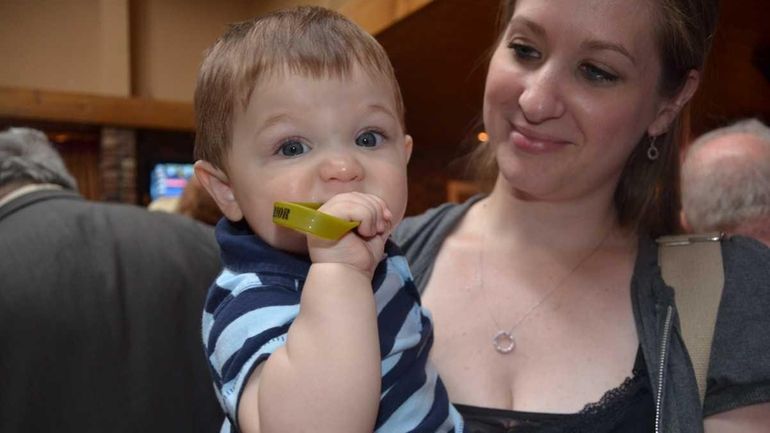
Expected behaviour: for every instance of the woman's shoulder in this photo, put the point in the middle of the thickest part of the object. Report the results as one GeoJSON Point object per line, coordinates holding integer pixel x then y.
{"type": "Point", "coordinates": [432, 224]}
{"type": "Point", "coordinates": [739, 372]}
{"type": "Point", "coordinates": [745, 248]}
{"type": "Point", "coordinates": [420, 237]}
{"type": "Point", "coordinates": [746, 294]}
{"type": "Point", "coordinates": [747, 265]}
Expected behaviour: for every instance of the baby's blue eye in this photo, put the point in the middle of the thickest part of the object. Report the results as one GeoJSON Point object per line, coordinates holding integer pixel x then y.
{"type": "Point", "coordinates": [369, 139]}
{"type": "Point", "coordinates": [293, 148]}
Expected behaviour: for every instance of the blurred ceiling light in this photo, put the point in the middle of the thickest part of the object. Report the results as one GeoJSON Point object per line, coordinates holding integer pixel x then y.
{"type": "Point", "coordinates": [60, 138]}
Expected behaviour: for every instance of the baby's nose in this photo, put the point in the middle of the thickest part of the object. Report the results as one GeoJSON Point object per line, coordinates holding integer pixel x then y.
{"type": "Point", "coordinates": [342, 167]}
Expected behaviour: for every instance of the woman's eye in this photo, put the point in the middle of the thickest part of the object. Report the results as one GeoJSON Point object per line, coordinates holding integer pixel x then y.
{"type": "Point", "coordinates": [524, 52]}
{"type": "Point", "coordinates": [369, 139]}
{"type": "Point", "coordinates": [293, 148]}
{"type": "Point", "coordinates": [596, 74]}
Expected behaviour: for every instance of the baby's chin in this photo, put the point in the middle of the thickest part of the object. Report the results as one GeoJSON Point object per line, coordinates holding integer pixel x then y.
{"type": "Point", "coordinates": [286, 240]}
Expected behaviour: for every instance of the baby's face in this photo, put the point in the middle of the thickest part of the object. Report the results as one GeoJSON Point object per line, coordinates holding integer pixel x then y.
{"type": "Point", "coordinates": [308, 139]}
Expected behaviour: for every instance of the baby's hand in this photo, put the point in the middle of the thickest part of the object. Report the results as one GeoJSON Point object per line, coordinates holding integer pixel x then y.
{"type": "Point", "coordinates": [363, 246]}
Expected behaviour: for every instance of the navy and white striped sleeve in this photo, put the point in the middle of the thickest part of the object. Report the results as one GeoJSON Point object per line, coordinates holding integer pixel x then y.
{"type": "Point", "coordinates": [245, 319]}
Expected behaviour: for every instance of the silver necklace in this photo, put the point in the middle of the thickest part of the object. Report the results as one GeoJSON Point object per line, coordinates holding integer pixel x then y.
{"type": "Point", "coordinates": [503, 341]}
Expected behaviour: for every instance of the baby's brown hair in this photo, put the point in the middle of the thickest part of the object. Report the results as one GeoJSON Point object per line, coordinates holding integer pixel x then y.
{"type": "Point", "coordinates": [310, 41]}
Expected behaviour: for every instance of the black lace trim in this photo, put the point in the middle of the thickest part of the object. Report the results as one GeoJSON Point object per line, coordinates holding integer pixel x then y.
{"type": "Point", "coordinates": [600, 416]}
{"type": "Point", "coordinates": [613, 405]}
{"type": "Point", "coordinates": [614, 397]}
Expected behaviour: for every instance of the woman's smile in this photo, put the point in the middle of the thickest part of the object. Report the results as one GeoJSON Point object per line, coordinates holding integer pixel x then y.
{"type": "Point", "coordinates": [532, 142]}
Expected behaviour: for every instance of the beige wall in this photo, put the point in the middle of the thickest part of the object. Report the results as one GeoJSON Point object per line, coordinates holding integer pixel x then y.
{"type": "Point", "coordinates": [373, 15]}
{"type": "Point", "coordinates": [69, 45]}
{"type": "Point", "coordinates": [169, 38]}
{"type": "Point", "coordinates": [145, 48]}
{"type": "Point", "coordinates": [262, 6]}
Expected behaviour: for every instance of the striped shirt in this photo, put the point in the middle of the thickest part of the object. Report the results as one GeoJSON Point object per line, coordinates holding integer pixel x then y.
{"type": "Point", "coordinates": [256, 298]}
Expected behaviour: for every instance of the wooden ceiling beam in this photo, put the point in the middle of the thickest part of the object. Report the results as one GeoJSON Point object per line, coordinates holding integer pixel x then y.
{"type": "Point", "coordinates": [53, 106]}
{"type": "Point", "coordinates": [377, 15]}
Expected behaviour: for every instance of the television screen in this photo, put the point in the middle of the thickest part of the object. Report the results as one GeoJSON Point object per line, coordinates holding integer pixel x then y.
{"type": "Point", "coordinates": [168, 179]}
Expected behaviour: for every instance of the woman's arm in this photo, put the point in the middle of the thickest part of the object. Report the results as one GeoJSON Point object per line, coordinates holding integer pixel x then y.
{"type": "Point", "coordinates": [749, 419]}
{"type": "Point", "coordinates": [739, 374]}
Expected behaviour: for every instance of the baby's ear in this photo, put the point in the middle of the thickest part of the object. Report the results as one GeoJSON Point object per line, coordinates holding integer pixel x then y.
{"type": "Point", "coordinates": [408, 143]}
{"type": "Point", "coordinates": [215, 181]}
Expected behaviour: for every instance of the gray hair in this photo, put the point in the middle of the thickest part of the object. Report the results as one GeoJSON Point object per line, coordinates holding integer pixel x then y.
{"type": "Point", "coordinates": [733, 192]}
{"type": "Point", "coordinates": [26, 156]}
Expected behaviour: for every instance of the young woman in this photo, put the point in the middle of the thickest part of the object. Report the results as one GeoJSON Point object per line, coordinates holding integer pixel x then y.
{"type": "Point", "coordinates": [550, 310]}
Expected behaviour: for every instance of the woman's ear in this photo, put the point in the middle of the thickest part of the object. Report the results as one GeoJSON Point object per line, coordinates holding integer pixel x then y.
{"type": "Point", "coordinates": [671, 108]}
{"type": "Point", "coordinates": [215, 181]}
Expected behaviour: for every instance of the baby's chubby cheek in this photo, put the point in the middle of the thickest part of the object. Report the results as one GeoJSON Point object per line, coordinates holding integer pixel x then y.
{"type": "Point", "coordinates": [285, 239]}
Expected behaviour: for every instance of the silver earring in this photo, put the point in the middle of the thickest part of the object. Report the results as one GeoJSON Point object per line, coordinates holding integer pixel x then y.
{"type": "Point", "coordinates": [652, 152]}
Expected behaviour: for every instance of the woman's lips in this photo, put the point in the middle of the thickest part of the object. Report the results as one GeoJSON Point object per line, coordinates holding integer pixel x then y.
{"type": "Point", "coordinates": [534, 143]}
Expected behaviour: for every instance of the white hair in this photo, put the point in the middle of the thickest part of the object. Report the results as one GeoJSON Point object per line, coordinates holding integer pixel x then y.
{"type": "Point", "coordinates": [26, 156]}
{"type": "Point", "coordinates": [732, 192]}
{"type": "Point", "coordinates": [746, 126]}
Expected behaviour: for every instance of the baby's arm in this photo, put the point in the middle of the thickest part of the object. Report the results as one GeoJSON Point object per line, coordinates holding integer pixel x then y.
{"type": "Point", "coordinates": [327, 376]}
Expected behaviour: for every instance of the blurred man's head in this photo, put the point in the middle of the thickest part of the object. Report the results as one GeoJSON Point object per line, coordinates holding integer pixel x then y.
{"type": "Point", "coordinates": [726, 181]}
{"type": "Point", "coordinates": [27, 157]}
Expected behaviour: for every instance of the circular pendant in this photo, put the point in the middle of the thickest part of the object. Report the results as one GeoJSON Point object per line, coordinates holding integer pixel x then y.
{"type": "Point", "coordinates": [504, 342]}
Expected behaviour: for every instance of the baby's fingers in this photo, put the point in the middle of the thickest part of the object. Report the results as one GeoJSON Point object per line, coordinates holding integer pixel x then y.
{"type": "Point", "coordinates": [370, 211]}
{"type": "Point", "coordinates": [381, 216]}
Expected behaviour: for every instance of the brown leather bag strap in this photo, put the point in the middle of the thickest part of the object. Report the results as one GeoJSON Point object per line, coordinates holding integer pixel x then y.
{"type": "Point", "coordinates": [692, 265]}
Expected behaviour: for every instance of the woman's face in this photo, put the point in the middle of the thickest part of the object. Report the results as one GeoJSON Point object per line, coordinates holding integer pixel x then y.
{"type": "Point", "coordinates": [571, 89]}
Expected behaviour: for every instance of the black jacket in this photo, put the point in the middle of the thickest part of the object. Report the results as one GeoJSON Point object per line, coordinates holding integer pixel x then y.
{"type": "Point", "coordinates": [100, 308]}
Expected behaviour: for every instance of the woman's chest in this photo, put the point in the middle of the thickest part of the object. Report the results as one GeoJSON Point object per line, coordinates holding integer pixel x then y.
{"type": "Point", "coordinates": [567, 351]}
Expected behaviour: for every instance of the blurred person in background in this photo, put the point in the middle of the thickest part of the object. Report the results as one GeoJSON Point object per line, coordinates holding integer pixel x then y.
{"type": "Point", "coordinates": [196, 203]}
{"type": "Point", "coordinates": [99, 306]}
{"type": "Point", "coordinates": [726, 181]}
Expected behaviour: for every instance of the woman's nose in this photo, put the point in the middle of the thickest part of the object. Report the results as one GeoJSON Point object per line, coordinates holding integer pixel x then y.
{"type": "Point", "coordinates": [341, 166]}
{"type": "Point", "coordinates": [541, 99]}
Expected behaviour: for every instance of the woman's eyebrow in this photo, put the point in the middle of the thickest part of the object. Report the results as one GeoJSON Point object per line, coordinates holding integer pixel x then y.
{"type": "Point", "coordinates": [595, 44]}
{"type": "Point", "coordinates": [592, 44]}
{"type": "Point", "coordinates": [534, 27]}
